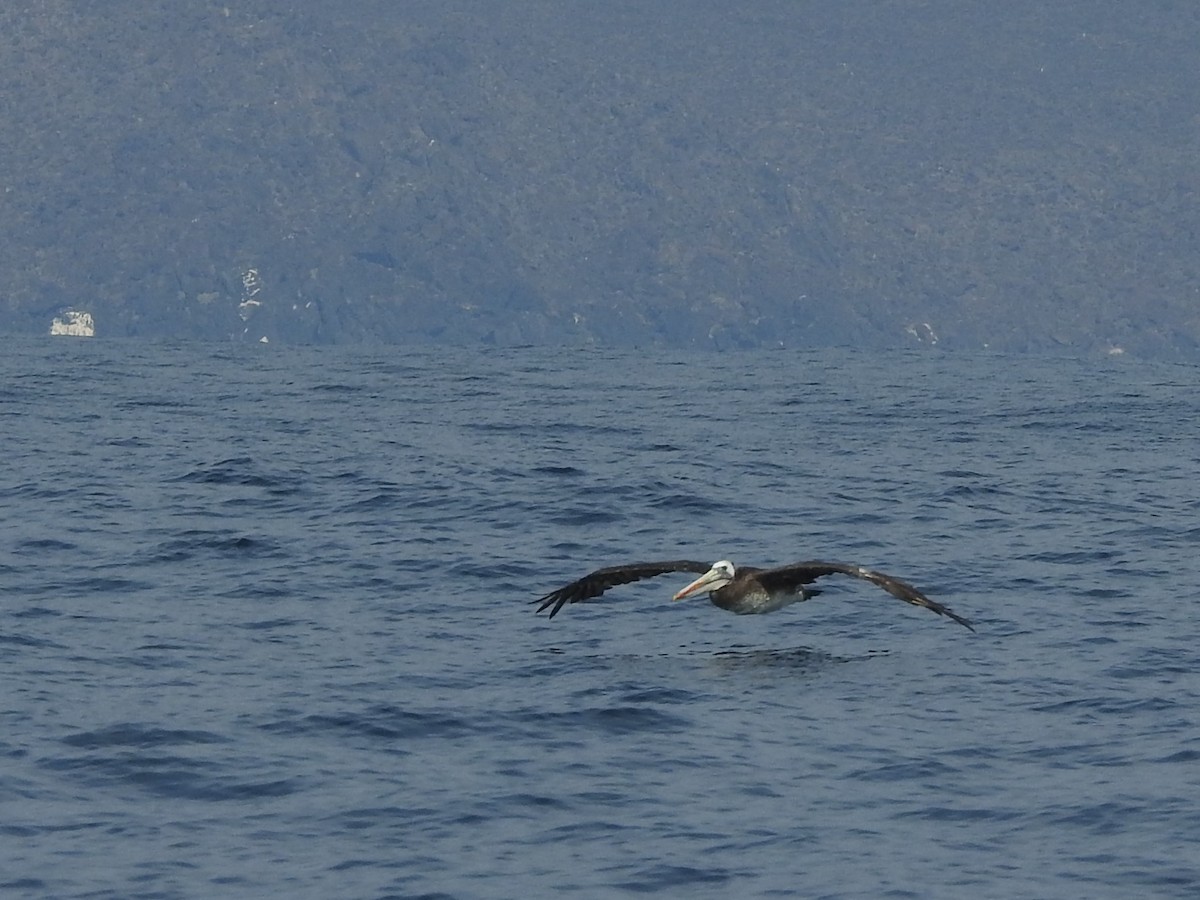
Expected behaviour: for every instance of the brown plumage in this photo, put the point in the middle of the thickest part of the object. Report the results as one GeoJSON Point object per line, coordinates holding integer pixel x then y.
{"type": "Point", "coordinates": [744, 590]}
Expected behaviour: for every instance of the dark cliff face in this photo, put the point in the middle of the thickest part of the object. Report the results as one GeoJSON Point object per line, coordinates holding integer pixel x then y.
{"type": "Point", "coordinates": [1018, 176]}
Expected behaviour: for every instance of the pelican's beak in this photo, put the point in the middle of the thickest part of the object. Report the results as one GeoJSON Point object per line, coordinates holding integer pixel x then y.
{"type": "Point", "coordinates": [709, 577]}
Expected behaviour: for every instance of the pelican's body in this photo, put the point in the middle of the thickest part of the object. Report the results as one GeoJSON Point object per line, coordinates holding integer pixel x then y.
{"type": "Point", "coordinates": [737, 591]}
{"type": "Point", "coordinates": [742, 590]}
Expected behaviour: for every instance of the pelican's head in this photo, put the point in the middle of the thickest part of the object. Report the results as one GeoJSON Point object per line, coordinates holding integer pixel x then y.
{"type": "Point", "coordinates": [714, 579]}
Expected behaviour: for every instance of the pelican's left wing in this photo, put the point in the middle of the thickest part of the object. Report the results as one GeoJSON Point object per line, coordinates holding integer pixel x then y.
{"type": "Point", "coordinates": [803, 573]}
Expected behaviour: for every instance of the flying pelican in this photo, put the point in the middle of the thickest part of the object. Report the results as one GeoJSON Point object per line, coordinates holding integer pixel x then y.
{"type": "Point", "coordinates": [744, 590]}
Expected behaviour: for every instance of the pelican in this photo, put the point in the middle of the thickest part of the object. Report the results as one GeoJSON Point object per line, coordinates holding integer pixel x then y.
{"type": "Point", "coordinates": [743, 590]}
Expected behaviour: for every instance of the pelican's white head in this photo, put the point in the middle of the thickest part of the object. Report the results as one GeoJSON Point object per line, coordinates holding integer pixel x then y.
{"type": "Point", "coordinates": [721, 573]}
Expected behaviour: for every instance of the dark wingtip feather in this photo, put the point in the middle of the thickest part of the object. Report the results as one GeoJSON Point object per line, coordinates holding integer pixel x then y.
{"type": "Point", "coordinates": [907, 592]}
{"type": "Point", "coordinates": [965, 623]}
{"type": "Point", "coordinates": [910, 594]}
{"type": "Point", "coordinates": [554, 599]}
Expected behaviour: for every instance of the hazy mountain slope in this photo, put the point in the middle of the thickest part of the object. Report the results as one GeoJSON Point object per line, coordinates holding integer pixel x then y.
{"type": "Point", "coordinates": [1020, 176]}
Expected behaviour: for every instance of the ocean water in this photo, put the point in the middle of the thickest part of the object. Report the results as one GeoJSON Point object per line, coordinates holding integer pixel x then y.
{"type": "Point", "coordinates": [266, 625]}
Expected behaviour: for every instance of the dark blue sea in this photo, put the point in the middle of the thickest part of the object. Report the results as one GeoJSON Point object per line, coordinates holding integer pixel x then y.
{"type": "Point", "coordinates": [266, 624]}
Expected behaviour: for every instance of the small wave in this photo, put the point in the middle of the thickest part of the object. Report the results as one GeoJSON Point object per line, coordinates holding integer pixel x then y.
{"type": "Point", "coordinates": [388, 722]}
{"type": "Point", "coordinates": [20, 640]}
{"type": "Point", "coordinates": [191, 544]}
{"type": "Point", "coordinates": [1072, 557]}
{"type": "Point", "coordinates": [658, 878]}
{"type": "Point", "coordinates": [243, 471]}
{"type": "Point", "coordinates": [171, 776]}
{"type": "Point", "coordinates": [135, 735]}
{"type": "Point", "coordinates": [160, 404]}
{"type": "Point", "coordinates": [385, 499]}
{"type": "Point", "coordinates": [963, 814]}
{"type": "Point", "coordinates": [273, 624]}
{"type": "Point", "coordinates": [40, 544]}
{"type": "Point", "coordinates": [1109, 705]}
{"type": "Point", "coordinates": [688, 501]}
{"type": "Point", "coordinates": [557, 470]}
{"type": "Point", "coordinates": [908, 770]}
{"type": "Point", "coordinates": [585, 515]}
{"type": "Point", "coordinates": [338, 388]}
{"type": "Point", "coordinates": [613, 720]}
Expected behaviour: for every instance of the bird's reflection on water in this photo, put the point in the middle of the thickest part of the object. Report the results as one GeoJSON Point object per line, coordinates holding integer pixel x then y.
{"type": "Point", "coordinates": [799, 659]}
{"type": "Point", "coordinates": [741, 658]}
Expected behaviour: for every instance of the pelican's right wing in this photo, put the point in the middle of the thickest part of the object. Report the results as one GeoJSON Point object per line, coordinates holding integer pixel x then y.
{"type": "Point", "coordinates": [596, 583]}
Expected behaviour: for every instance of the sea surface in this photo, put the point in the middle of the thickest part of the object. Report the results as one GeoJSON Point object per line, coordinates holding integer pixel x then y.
{"type": "Point", "coordinates": [266, 630]}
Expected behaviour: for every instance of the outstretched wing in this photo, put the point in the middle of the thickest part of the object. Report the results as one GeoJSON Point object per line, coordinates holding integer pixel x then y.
{"type": "Point", "coordinates": [601, 580]}
{"type": "Point", "coordinates": [798, 574]}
